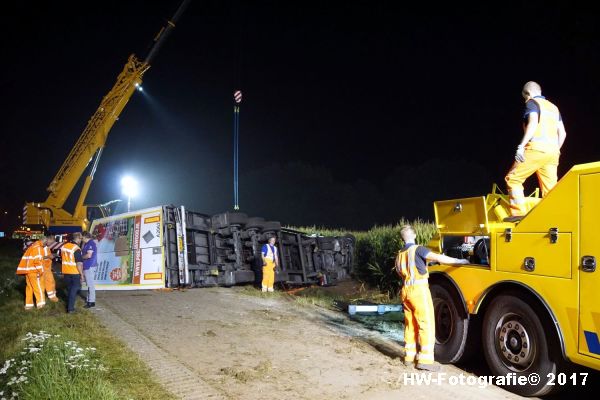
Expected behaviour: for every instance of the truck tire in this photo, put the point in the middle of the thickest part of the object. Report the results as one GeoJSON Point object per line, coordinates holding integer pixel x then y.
{"type": "Point", "coordinates": [272, 226]}
{"type": "Point", "coordinates": [451, 324]}
{"type": "Point", "coordinates": [255, 223]}
{"type": "Point", "coordinates": [514, 341]}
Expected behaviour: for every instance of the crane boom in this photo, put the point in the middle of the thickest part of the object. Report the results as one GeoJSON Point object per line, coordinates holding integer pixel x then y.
{"type": "Point", "coordinates": [95, 133]}
{"type": "Point", "coordinates": [90, 144]}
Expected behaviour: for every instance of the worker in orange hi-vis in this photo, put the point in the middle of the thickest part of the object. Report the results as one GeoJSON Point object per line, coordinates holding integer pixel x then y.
{"type": "Point", "coordinates": [539, 150]}
{"type": "Point", "coordinates": [419, 318]}
{"type": "Point", "coordinates": [32, 266]}
{"type": "Point", "coordinates": [48, 275]}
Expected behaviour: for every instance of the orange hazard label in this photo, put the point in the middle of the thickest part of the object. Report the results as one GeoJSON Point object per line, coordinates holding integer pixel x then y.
{"type": "Point", "coordinates": [154, 275]}
{"type": "Point", "coordinates": [149, 220]}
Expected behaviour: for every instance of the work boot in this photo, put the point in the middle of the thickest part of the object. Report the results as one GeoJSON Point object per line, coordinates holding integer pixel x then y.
{"type": "Point", "coordinates": [428, 367]}
{"type": "Point", "coordinates": [514, 218]}
{"type": "Point", "coordinates": [53, 299]}
{"type": "Point", "coordinates": [89, 305]}
{"type": "Point", "coordinates": [408, 363]}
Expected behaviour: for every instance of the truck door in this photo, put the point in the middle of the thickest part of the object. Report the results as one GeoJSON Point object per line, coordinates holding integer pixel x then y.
{"type": "Point", "coordinates": [589, 253]}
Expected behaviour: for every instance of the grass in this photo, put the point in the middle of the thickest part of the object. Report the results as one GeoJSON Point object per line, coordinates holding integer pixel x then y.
{"type": "Point", "coordinates": [123, 374]}
{"type": "Point", "coordinates": [327, 297]}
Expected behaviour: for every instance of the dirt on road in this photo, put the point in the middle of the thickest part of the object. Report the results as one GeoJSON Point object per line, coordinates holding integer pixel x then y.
{"type": "Point", "coordinates": [221, 343]}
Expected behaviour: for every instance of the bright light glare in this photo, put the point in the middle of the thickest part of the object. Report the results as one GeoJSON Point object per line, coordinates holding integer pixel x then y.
{"type": "Point", "coordinates": [140, 88]}
{"type": "Point", "coordinates": [129, 186]}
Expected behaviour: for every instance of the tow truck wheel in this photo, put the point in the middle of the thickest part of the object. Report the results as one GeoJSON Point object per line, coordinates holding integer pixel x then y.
{"type": "Point", "coordinates": [451, 324]}
{"type": "Point", "coordinates": [515, 343]}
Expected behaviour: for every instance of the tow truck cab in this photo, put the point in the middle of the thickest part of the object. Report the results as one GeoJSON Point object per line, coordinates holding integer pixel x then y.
{"type": "Point", "coordinates": [530, 299]}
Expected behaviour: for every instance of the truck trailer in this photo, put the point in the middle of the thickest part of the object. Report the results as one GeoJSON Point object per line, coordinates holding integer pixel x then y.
{"type": "Point", "coordinates": [169, 246]}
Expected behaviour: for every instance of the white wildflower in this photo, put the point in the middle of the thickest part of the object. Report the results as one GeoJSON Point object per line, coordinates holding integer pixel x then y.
{"type": "Point", "coordinates": [5, 367]}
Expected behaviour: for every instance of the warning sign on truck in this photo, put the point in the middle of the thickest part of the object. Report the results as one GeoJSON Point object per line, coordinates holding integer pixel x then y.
{"type": "Point", "coordinates": [130, 250]}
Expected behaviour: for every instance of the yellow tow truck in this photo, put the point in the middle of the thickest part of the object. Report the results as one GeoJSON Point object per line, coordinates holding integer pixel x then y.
{"type": "Point", "coordinates": [530, 299]}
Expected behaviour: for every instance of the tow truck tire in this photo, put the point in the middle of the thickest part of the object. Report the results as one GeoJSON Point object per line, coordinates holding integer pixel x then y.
{"type": "Point", "coordinates": [451, 324]}
{"type": "Point", "coordinates": [514, 342]}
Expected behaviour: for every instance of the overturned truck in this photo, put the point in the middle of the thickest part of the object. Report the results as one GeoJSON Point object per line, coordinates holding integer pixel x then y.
{"type": "Point", "coordinates": [170, 246]}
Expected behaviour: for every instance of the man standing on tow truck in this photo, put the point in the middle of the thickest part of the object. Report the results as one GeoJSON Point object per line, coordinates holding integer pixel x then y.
{"type": "Point", "coordinates": [419, 318]}
{"type": "Point", "coordinates": [538, 151]}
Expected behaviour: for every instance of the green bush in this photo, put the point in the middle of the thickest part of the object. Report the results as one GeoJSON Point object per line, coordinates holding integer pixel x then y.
{"type": "Point", "coordinates": [376, 250]}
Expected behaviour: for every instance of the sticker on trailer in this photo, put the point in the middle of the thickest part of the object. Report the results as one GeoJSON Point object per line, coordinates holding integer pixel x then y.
{"type": "Point", "coordinates": [130, 250]}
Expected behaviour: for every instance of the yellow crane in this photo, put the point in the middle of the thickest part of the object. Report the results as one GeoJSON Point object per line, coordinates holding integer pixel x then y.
{"type": "Point", "coordinates": [88, 148]}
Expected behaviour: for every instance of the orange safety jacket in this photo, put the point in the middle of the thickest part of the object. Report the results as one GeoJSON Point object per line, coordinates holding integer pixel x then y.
{"type": "Point", "coordinates": [406, 266]}
{"type": "Point", "coordinates": [32, 260]}
{"type": "Point", "coordinates": [67, 253]}
{"type": "Point", "coordinates": [545, 137]}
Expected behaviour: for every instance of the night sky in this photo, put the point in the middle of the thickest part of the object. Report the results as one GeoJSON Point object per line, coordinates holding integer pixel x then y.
{"type": "Point", "coordinates": [354, 113]}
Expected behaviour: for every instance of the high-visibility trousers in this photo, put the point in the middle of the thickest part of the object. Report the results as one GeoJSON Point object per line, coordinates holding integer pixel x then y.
{"type": "Point", "coordinates": [545, 165]}
{"type": "Point", "coordinates": [34, 288]}
{"type": "Point", "coordinates": [268, 275]}
{"type": "Point", "coordinates": [49, 283]}
{"type": "Point", "coordinates": [419, 323]}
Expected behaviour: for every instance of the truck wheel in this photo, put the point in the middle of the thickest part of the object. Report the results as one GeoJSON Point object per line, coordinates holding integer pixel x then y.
{"type": "Point", "coordinates": [451, 325]}
{"type": "Point", "coordinates": [514, 342]}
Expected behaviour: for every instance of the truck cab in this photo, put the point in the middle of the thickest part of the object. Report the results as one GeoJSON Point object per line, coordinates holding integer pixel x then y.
{"type": "Point", "coordinates": [530, 298]}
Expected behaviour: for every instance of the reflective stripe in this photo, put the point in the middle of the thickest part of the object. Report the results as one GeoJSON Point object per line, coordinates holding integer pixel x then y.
{"type": "Point", "coordinates": [41, 294]}
{"type": "Point", "coordinates": [417, 282]}
{"type": "Point", "coordinates": [517, 200]}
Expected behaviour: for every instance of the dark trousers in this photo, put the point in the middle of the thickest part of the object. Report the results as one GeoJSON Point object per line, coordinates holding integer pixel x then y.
{"type": "Point", "coordinates": [73, 282]}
